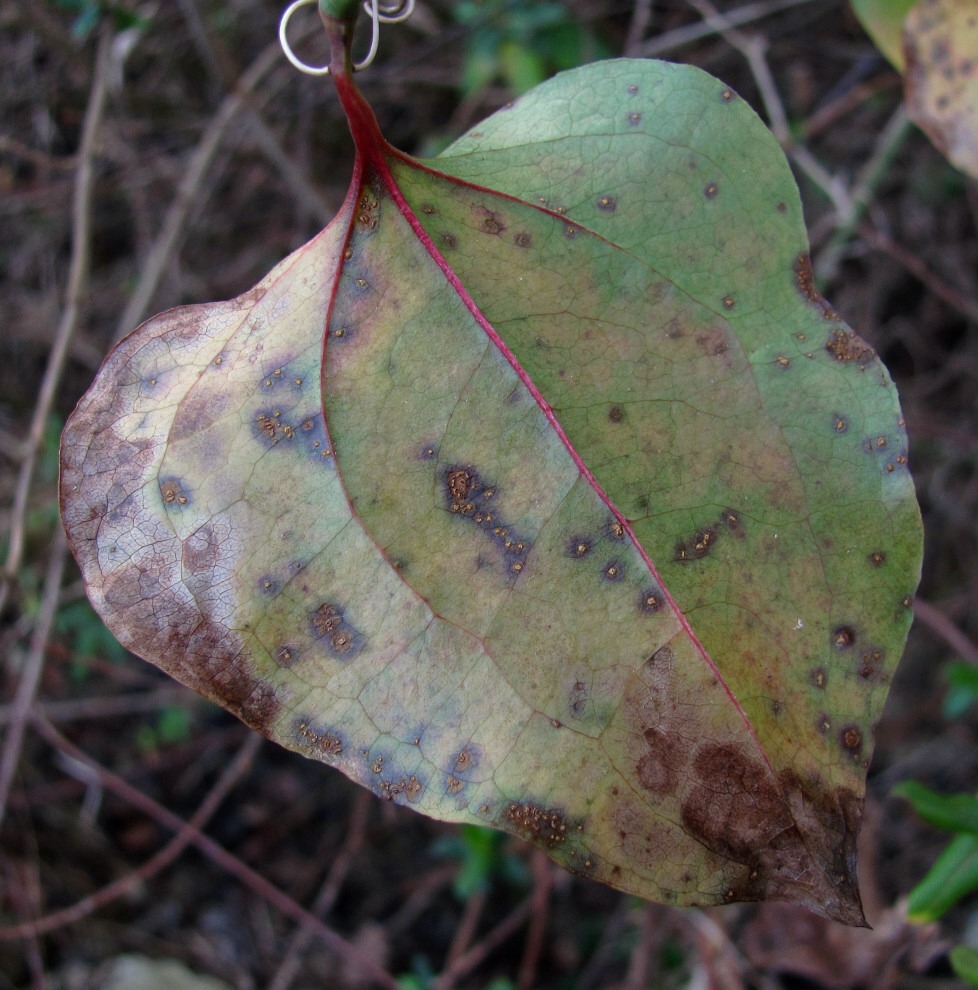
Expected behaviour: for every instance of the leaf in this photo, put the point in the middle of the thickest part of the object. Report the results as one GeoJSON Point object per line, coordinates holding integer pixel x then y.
{"type": "Point", "coordinates": [941, 81]}
{"type": "Point", "coordinates": [964, 962]}
{"type": "Point", "coordinates": [955, 812]}
{"type": "Point", "coordinates": [599, 530]}
{"type": "Point", "coordinates": [883, 21]}
{"type": "Point", "coordinates": [954, 875]}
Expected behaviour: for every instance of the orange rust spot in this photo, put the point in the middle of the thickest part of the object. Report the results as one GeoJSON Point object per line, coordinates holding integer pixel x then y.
{"type": "Point", "coordinates": [326, 619]}
{"type": "Point", "coordinates": [173, 493]}
{"type": "Point", "coordinates": [547, 826]}
{"type": "Point", "coordinates": [845, 346]}
{"type": "Point", "coordinates": [322, 743]}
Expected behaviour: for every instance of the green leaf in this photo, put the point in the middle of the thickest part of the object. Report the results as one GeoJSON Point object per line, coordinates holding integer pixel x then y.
{"type": "Point", "coordinates": [964, 962]}
{"type": "Point", "coordinates": [955, 812]}
{"type": "Point", "coordinates": [954, 875]}
{"type": "Point", "coordinates": [591, 521]}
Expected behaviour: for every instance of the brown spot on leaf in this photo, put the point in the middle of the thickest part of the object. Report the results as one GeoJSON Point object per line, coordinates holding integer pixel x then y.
{"type": "Point", "coordinates": [839, 424]}
{"type": "Point", "coordinates": [711, 190]}
{"type": "Point", "coordinates": [658, 769]}
{"type": "Point", "coordinates": [729, 302]}
{"type": "Point", "coordinates": [845, 346]}
{"type": "Point", "coordinates": [734, 806]}
{"type": "Point", "coordinates": [697, 546]}
{"type": "Point", "coordinates": [321, 745]}
{"type": "Point", "coordinates": [613, 571]}
{"type": "Point", "coordinates": [577, 700]}
{"type": "Point", "coordinates": [843, 637]}
{"type": "Point", "coordinates": [578, 546]}
{"type": "Point", "coordinates": [651, 601]}
{"type": "Point", "coordinates": [466, 761]}
{"type": "Point", "coordinates": [634, 119]}
{"type": "Point", "coordinates": [871, 664]}
{"type": "Point", "coordinates": [877, 558]}
{"type": "Point", "coordinates": [607, 204]}
{"type": "Point", "coordinates": [331, 630]}
{"type": "Point", "coordinates": [173, 493]}
{"type": "Point", "coordinates": [727, 95]}
{"type": "Point", "coordinates": [286, 655]}
{"type": "Point", "coordinates": [616, 414]}
{"type": "Point", "coordinates": [469, 497]}
{"type": "Point", "coordinates": [819, 677]}
{"type": "Point", "coordinates": [491, 222]}
{"type": "Point", "coordinates": [450, 241]}
{"type": "Point", "coordinates": [545, 826]}
{"type": "Point", "coordinates": [523, 239]}
{"type": "Point", "coordinates": [852, 740]}
{"type": "Point", "coordinates": [732, 522]}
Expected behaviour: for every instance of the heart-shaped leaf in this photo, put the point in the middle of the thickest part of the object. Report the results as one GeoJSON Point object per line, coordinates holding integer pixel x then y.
{"type": "Point", "coordinates": [540, 490]}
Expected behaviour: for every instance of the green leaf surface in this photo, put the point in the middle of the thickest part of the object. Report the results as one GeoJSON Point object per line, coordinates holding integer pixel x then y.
{"type": "Point", "coordinates": [964, 962]}
{"type": "Point", "coordinates": [541, 490]}
{"type": "Point", "coordinates": [955, 812]}
{"type": "Point", "coordinates": [954, 875]}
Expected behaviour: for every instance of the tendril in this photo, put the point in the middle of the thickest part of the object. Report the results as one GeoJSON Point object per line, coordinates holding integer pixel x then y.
{"type": "Point", "coordinates": [379, 12]}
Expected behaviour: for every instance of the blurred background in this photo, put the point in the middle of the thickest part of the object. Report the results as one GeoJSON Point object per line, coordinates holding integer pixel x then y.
{"type": "Point", "coordinates": [163, 152]}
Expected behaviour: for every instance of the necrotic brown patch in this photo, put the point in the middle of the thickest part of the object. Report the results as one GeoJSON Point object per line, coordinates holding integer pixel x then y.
{"type": "Point", "coordinates": [607, 204]}
{"type": "Point", "coordinates": [733, 806]}
{"type": "Point", "coordinates": [658, 769]}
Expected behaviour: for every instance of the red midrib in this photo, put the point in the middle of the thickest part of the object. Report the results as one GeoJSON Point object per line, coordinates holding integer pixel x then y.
{"type": "Point", "coordinates": [373, 153]}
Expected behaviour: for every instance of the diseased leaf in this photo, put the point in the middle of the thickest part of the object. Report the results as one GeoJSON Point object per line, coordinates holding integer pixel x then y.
{"type": "Point", "coordinates": [940, 39]}
{"type": "Point", "coordinates": [591, 520]}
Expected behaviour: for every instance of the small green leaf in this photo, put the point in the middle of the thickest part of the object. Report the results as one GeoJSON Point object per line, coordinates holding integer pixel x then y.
{"type": "Point", "coordinates": [954, 812]}
{"type": "Point", "coordinates": [964, 962]}
{"type": "Point", "coordinates": [954, 875]}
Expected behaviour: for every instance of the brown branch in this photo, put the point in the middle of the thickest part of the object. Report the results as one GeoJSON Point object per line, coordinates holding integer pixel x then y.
{"type": "Point", "coordinates": [506, 928]}
{"type": "Point", "coordinates": [543, 880]}
{"type": "Point", "coordinates": [31, 674]}
{"type": "Point", "coordinates": [70, 317]}
{"type": "Point", "coordinates": [356, 832]}
{"type": "Point", "coordinates": [939, 624]}
{"type": "Point", "coordinates": [216, 853]}
{"type": "Point", "coordinates": [955, 298]}
{"type": "Point", "coordinates": [185, 835]}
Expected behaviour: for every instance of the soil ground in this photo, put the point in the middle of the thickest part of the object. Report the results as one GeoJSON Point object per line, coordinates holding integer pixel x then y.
{"type": "Point", "coordinates": [212, 160]}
